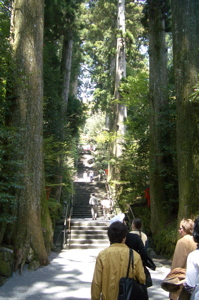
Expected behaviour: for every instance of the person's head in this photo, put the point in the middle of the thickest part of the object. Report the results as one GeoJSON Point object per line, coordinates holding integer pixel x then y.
{"type": "Point", "coordinates": [117, 232]}
{"type": "Point", "coordinates": [186, 227]}
{"type": "Point", "coordinates": [196, 230]}
{"type": "Point", "coordinates": [93, 194]}
{"type": "Point", "coordinates": [137, 224]}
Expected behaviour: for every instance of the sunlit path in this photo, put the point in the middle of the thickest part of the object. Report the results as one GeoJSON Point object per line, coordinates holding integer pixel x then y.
{"type": "Point", "coordinates": [68, 276]}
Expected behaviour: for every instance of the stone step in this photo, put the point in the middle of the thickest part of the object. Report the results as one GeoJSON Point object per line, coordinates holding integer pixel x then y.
{"type": "Point", "coordinates": [87, 232]}
{"type": "Point", "coordinates": [88, 242]}
{"type": "Point", "coordinates": [87, 246]}
{"type": "Point", "coordinates": [89, 236]}
{"type": "Point", "coordinates": [90, 227]}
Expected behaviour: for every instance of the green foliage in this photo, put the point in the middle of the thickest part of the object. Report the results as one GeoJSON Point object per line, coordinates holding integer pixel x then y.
{"type": "Point", "coordinates": [55, 210]}
{"type": "Point", "coordinates": [134, 163]}
{"type": "Point", "coordinates": [164, 240]}
{"type": "Point", "coordinates": [9, 149]}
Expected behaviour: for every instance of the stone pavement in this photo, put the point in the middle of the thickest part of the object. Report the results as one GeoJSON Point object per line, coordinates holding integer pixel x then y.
{"type": "Point", "coordinates": [69, 276]}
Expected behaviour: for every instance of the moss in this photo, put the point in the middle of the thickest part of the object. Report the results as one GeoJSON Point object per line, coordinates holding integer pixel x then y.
{"type": "Point", "coordinates": [55, 210]}
{"type": "Point", "coordinates": [46, 224]}
{"type": "Point", "coordinates": [165, 240]}
{"type": "Point", "coordinates": [5, 269]}
{"type": "Point", "coordinates": [2, 280]}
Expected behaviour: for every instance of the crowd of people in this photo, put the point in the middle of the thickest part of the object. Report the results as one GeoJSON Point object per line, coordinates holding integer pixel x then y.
{"type": "Point", "coordinates": [90, 175]}
{"type": "Point", "coordinates": [182, 282]}
{"type": "Point", "coordinates": [111, 264]}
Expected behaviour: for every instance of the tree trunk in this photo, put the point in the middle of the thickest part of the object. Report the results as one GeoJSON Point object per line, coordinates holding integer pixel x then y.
{"type": "Point", "coordinates": [185, 17]}
{"type": "Point", "coordinates": [27, 42]}
{"type": "Point", "coordinates": [66, 71]}
{"type": "Point", "coordinates": [158, 103]}
{"type": "Point", "coordinates": [120, 111]}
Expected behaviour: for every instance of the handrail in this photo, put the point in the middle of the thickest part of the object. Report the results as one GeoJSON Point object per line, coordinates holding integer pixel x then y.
{"type": "Point", "coordinates": [67, 222]}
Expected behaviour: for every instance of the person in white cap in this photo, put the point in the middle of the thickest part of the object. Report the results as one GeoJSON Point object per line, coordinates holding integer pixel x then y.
{"type": "Point", "coordinates": [119, 217]}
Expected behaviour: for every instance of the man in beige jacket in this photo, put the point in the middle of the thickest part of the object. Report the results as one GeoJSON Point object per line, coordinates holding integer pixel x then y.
{"type": "Point", "coordinates": [111, 265]}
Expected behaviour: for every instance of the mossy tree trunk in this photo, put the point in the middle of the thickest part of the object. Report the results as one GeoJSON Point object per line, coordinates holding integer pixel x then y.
{"type": "Point", "coordinates": [27, 42]}
{"type": "Point", "coordinates": [158, 103]}
{"type": "Point", "coordinates": [185, 19]}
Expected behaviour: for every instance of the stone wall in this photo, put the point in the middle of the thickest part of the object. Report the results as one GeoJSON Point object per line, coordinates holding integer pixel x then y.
{"type": "Point", "coordinates": [6, 264]}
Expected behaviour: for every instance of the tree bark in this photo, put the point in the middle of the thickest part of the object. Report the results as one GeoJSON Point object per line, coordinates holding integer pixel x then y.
{"type": "Point", "coordinates": [158, 102]}
{"type": "Point", "coordinates": [120, 110]}
{"type": "Point", "coordinates": [185, 19]}
{"type": "Point", "coordinates": [27, 42]}
{"type": "Point", "coordinates": [66, 71]}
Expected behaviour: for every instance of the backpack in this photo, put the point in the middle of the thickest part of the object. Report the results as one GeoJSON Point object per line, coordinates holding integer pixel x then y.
{"type": "Point", "coordinates": [129, 288]}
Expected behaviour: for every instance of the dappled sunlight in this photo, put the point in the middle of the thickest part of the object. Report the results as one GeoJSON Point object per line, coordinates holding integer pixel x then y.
{"type": "Point", "coordinates": [68, 276]}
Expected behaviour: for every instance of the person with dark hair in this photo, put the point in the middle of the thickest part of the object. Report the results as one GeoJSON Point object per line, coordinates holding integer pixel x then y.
{"type": "Point", "coordinates": [111, 265]}
{"type": "Point", "coordinates": [137, 228]}
{"type": "Point", "coordinates": [191, 283]}
{"type": "Point", "coordinates": [134, 242]}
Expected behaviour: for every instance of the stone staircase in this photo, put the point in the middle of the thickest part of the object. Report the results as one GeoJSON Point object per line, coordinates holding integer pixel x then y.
{"type": "Point", "coordinates": [88, 234]}
{"type": "Point", "coordinates": [83, 191]}
{"type": "Point", "coordinates": [85, 232]}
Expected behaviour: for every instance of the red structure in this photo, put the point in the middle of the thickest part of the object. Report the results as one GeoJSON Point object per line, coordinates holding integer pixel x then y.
{"type": "Point", "coordinates": [147, 196]}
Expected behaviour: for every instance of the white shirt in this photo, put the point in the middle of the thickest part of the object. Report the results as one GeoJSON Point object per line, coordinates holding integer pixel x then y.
{"type": "Point", "coordinates": [192, 272]}
{"type": "Point", "coordinates": [93, 201]}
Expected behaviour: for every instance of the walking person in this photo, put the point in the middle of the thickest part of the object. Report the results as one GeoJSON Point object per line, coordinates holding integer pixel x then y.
{"type": "Point", "coordinates": [106, 205]}
{"type": "Point", "coordinates": [111, 265]}
{"type": "Point", "coordinates": [137, 228]}
{"type": "Point", "coordinates": [94, 204]}
{"type": "Point", "coordinates": [85, 176]}
{"type": "Point", "coordinates": [91, 176]}
{"type": "Point", "coordinates": [184, 246]}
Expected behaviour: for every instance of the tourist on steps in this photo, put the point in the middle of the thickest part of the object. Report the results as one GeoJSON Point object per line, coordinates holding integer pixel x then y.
{"type": "Point", "coordinates": [85, 176]}
{"type": "Point", "coordinates": [93, 203]}
{"type": "Point", "coordinates": [106, 205]}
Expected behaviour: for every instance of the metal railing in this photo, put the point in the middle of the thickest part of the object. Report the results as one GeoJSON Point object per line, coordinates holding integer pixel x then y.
{"type": "Point", "coordinates": [67, 224]}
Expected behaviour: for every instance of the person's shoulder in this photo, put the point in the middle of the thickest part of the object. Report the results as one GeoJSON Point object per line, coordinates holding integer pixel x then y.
{"type": "Point", "coordinates": [187, 238]}
{"type": "Point", "coordinates": [181, 241]}
{"type": "Point", "coordinates": [194, 255]}
{"type": "Point", "coordinates": [133, 236]}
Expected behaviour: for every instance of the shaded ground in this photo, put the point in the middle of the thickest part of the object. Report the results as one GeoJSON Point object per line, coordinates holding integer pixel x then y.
{"type": "Point", "coordinates": [68, 276]}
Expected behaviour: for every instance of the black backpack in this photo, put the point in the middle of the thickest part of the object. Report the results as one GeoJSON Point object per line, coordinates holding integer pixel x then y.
{"type": "Point", "coordinates": [129, 288]}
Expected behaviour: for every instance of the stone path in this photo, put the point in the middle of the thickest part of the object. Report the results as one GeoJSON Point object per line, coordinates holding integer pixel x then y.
{"type": "Point", "coordinates": [68, 276]}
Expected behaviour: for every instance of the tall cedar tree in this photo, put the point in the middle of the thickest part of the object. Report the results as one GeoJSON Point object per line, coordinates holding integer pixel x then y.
{"type": "Point", "coordinates": [120, 110]}
{"type": "Point", "coordinates": [27, 42]}
{"type": "Point", "coordinates": [185, 19]}
{"type": "Point", "coordinates": [158, 99]}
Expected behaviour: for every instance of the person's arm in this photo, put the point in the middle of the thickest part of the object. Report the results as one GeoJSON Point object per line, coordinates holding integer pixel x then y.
{"type": "Point", "coordinates": [191, 273]}
{"type": "Point", "coordinates": [96, 286]}
{"type": "Point", "coordinates": [138, 268]}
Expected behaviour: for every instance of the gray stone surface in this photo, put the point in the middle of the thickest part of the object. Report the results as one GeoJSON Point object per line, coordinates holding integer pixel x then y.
{"type": "Point", "coordinates": [68, 276]}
